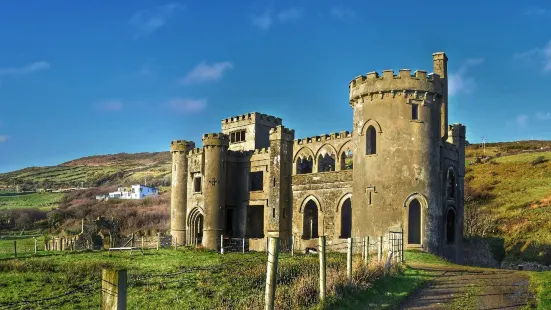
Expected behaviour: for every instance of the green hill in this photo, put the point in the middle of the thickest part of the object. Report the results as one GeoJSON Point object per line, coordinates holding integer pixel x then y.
{"type": "Point", "coordinates": [95, 171]}
{"type": "Point", "coordinates": [508, 195]}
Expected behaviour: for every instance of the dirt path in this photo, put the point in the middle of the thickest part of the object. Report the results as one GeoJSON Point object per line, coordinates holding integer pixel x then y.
{"type": "Point", "coordinates": [471, 288]}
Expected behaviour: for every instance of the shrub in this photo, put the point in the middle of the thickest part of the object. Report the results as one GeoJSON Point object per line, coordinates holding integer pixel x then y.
{"type": "Point", "coordinates": [538, 160]}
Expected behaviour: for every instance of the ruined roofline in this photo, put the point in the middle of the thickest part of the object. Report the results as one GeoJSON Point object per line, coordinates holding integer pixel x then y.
{"type": "Point", "coordinates": [325, 137]}
{"type": "Point", "coordinates": [256, 116]}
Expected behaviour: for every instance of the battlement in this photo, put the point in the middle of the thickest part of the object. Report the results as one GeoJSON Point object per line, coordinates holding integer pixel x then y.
{"type": "Point", "coordinates": [264, 150]}
{"type": "Point", "coordinates": [280, 132]}
{"type": "Point", "coordinates": [388, 82]}
{"type": "Point", "coordinates": [181, 145]}
{"type": "Point", "coordinates": [253, 117]}
{"type": "Point", "coordinates": [325, 137]}
{"type": "Point", "coordinates": [195, 151]}
{"type": "Point", "coordinates": [216, 139]}
{"type": "Point", "coordinates": [457, 130]}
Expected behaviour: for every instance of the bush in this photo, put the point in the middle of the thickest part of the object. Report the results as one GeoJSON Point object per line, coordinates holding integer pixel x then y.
{"type": "Point", "coordinates": [538, 160]}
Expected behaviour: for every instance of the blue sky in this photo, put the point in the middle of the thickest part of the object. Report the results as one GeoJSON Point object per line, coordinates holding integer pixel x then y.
{"type": "Point", "coordinates": [80, 78]}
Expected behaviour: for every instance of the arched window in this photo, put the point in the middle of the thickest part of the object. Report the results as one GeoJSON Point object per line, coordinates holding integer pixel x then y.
{"type": "Point", "coordinates": [450, 227]}
{"type": "Point", "coordinates": [304, 165]}
{"type": "Point", "coordinates": [370, 141]}
{"type": "Point", "coordinates": [310, 221]}
{"type": "Point", "coordinates": [326, 162]}
{"type": "Point", "coordinates": [346, 219]}
{"type": "Point", "coordinates": [414, 222]}
{"type": "Point", "coordinates": [346, 160]}
{"type": "Point", "coordinates": [451, 184]}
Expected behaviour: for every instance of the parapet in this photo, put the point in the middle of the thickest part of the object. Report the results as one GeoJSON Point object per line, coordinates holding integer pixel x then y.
{"type": "Point", "coordinates": [252, 117]}
{"type": "Point", "coordinates": [216, 139]}
{"type": "Point", "coordinates": [457, 130]}
{"type": "Point", "coordinates": [264, 150]}
{"type": "Point", "coordinates": [396, 84]}
{"type": "Point", "coordinates": [280, 132]}
{"type": "Point", "coordinates": [181, 145]}
{"type": "Point", "coordinates": [195, 151]}
{"type": "Point", "coordinates": [331, 136]}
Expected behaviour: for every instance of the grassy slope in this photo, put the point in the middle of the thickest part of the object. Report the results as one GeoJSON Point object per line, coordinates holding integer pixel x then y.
{"type": "Point", "coordinates": [95, 170]}
{"type": "Point", "coordinates": [43, 201]}
{"type": "Point", "coordinates": [522, 203]}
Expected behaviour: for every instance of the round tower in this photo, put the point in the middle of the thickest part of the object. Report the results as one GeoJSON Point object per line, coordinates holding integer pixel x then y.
{"type": "Point", "coordinates": [397, 138]}
{"type": "Point", "coordinates": [215, 147]}
{"type": "Point", "coordinates": [178, 196]}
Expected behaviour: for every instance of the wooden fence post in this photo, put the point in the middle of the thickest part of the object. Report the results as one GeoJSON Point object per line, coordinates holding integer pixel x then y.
{"type": "Point", "coordinates": [221, 244]}
{"type": "Point", "coordinates": [380, 252]}
{"type": "Point", "coordinates": [35, 246]}
{"type": "Point", "coordinates": [158, 241]}
{"type": "Point", "coordinates": [243, 245]}
{"type": "Point", "coordinates": [113, 289]}
{"type": "Point", "coordinates": [132, 242]}
{"type": "Point", "coordinates": [15, 248]}
{"type": "Point", "coordinates": [142, 242]}
{"type": "Point", "coordinates": [293, 245]}
{"type": "Point", "coordinates": [271, 273]}
{"type": "Point", "coordinates": [366, 250]}
{"type": "Point", "coordinates": [323, 276]}
{"type": "Point", "coordinates": [349, 260]}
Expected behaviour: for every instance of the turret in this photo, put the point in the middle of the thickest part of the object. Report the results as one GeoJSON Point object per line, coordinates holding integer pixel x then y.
{"type": "Point", "coordinates": [278, 219]}
{"type": "Point", "coordinates": [440, 67]}
{"type": "Point", "coordinates": [215, 146]}
{"type": "Point", "coordinates": [397, 137]}
{"type": "Point", "coordinates": [178, 198]}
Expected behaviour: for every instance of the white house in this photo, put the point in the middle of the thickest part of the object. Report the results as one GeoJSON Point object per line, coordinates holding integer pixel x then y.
{"type": "Point", "coordinates": [137, 191]}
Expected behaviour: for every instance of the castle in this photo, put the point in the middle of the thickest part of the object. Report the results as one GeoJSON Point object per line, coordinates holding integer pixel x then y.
{"type": "Point", "coordinates": [401, 169]}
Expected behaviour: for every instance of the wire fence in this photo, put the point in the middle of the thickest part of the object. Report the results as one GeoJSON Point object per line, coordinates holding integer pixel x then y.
{"type": "Point", "coordinates": [241, 281]}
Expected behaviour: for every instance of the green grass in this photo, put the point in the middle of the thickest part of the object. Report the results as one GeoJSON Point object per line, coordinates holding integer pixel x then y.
{"type": "Point", "coordinates": [540, 284]}
{"type": "Point", "coordinates": [44, 201]}
{"type": "Point", "coordinates": [522, 203]}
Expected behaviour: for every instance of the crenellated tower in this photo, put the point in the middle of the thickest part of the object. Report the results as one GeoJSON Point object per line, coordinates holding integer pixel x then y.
{"type": "Point", "coordinates": [178, 198]}
{"type": "Point", "coordinates": [278, 219]}
{"type": "Point", "coordinates": [215, 147]}
{"type": "Point", "coordinates": [249, 131]}
{"type": "Point", "coordinates": [399, 122]}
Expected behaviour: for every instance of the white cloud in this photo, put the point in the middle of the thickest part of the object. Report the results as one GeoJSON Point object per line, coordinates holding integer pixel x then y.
{"type": "Point", "coordinates": [536, 11]}
{"type": "Point", "coordinates": [26, 69]}
{"type": "Point", "coordinates": [539, 56]}
{"type": "Point", "coordinates": [147, 22]}
{"type": "Point", "coordinates": [541, 116]}
{"type": "Point", "coordinates": [187, 105]}
{"type": "Point", "coordinates": [460, 82]}
{"type": "Point", "coordinates": [110, 105]}
{"type": "Point", "coordinates": [522, 120]}
{"type": "Point", "coordinates": [204, 72]}
{"type": "Point", "coordinates": [341, 12]}
{"type": "Point", "coordinates": [265, 20]}
{"type": "Point", "coordinates": [3, 138]}
{"type": "Point", "coordinates": [289, 15]}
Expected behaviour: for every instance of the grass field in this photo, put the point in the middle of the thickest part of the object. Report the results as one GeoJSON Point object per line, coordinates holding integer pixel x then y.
{"type": "Point", "coordinates": [196, 279]}
{"type": "Point", "coordinates": [43, 201]}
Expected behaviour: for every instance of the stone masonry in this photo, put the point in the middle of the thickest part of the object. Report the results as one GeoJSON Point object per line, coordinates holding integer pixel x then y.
{"type": "Point", "coordinates": [400, 169]}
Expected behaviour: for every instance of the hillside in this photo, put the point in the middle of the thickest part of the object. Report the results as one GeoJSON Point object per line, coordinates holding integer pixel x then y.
{"type": "Point", "coordinates": [95, 171]}
{"type": "Point", "coordinates": [508, 195]}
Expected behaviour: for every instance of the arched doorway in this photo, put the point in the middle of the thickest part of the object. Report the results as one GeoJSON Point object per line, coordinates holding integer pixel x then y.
{"type": "Point", "coordinates": [414, 222]}
{"type": "Point", "coordinates": [450, 227]}
{"type": "Point", "coordinates": [195, 226]}
{"type": "Point", "coordinates": [310, 220]}
{"type": "Point", "coordinates": [346, 219]}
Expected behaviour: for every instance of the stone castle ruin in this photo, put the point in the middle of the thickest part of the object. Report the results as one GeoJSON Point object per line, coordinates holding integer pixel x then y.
{"type": "Point", "coordinates": [400, 169]}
